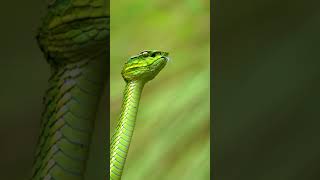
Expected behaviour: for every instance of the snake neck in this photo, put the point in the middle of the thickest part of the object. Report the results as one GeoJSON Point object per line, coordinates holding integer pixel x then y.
{"type": "Point", "coordinates": [131, 98]}
{"type": "Point", "coordinates": [120, 141]}
{"type": "Point", "coordinates": [70, 106]}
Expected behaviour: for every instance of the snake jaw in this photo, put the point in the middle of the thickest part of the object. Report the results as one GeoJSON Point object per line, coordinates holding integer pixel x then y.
{"type": "Point", "coordinates": [166, 58]}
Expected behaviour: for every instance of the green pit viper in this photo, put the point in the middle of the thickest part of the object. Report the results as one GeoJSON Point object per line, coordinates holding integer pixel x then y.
{"type": "Point", "coordinates": [74, 38]}
{"type": "Point", "coordinates": [137, 71]}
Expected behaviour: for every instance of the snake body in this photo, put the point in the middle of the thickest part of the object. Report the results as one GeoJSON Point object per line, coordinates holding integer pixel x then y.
{"type": "Point", "coordinates": [137, 71]}
{"type": "Point", "coordinates": [73, 38]}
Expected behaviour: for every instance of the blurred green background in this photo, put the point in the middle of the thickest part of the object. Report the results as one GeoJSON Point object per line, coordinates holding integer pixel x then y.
{"type": "Point", "coordinates": [23, 77]}
{"type": "Point", "coordinates": [266, 90]}
{"type": "Point", "coordinates": [172, 134]}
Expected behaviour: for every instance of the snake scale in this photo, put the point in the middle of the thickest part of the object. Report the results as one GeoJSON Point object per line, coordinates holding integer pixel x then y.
{"type": "Point", "coordinates": [74, 38]}
{"type": "Point", "coordinates": [137, 71]}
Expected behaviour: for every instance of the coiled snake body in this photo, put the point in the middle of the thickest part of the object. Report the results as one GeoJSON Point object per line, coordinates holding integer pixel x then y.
{"type": "Point", "coordinates": [74, 38]}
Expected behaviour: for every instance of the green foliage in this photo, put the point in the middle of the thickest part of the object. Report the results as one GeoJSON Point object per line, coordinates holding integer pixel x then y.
{"type": "Point", "coordinates": [172, 138]}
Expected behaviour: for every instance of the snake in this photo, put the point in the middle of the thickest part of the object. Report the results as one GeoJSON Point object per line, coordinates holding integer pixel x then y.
{"type": "Point", "coordinates": [74, 38]}
{"type": "Point", "coordinates": [137, 71]}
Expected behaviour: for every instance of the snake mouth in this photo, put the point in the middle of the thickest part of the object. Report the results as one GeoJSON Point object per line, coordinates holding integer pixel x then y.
{"type": "Point", "coordinates": [165, 55]}
{"type": "Point", "coordinates": [166, 58]}
{"type": "Point", "coordinates": [160, 60]}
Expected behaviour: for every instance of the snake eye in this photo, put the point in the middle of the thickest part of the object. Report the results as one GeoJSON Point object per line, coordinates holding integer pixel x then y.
{"type": "Point", "coordinates": [144, 53]}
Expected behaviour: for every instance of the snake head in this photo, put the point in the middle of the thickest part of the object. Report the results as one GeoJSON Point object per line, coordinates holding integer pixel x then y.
{"type": "Point", "coordinates": [144, 66]}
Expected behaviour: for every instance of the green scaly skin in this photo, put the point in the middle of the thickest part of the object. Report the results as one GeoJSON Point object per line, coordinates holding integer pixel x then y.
{"type": "Point", "coordinates": [73, 37]}
{"type": "Point", "coordinates": [137, 71]}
